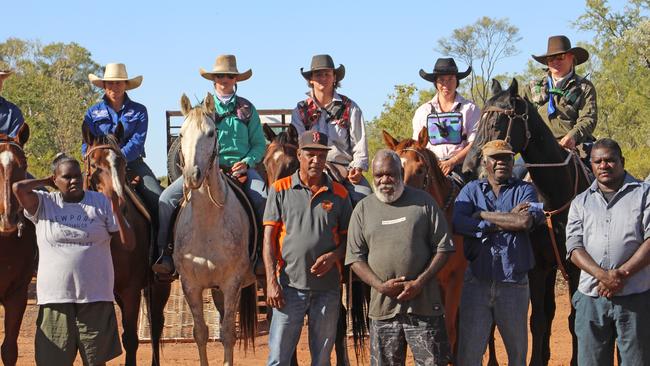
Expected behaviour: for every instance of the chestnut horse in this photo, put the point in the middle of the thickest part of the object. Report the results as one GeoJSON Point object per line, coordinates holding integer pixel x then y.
{"type": "Point", "coordinates": [106, 173]}
{"type": "Point", "coordinates": [558, 176]}
{"type": "Point", "coordinates": [17, 242]}
{"type": "Point", "coordinates": [281, 156]}
{"type": "Point", "coordinates": [421, 170]}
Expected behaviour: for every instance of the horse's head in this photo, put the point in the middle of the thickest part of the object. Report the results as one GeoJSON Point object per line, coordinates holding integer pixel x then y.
{"type": "Point", "coordinates": [420, 165]}
{"type": "Point", "coordinates": [13, 165]}
{"type": "Point", "coordinates": [105, 164]}
{"type": "Point", "coordinates": [281, 157]}
{"type": "Point", "coordinates": [199, 147]}
{"type": "Point", "coordinates": [505, 116]}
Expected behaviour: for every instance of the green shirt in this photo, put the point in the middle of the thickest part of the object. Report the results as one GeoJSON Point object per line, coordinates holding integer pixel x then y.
{"type": "Point", "coordinates": [399, 239]}
{"type": "Point", "coordinates": [239, 141]}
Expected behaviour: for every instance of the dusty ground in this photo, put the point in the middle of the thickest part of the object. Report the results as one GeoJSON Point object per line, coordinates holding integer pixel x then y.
{"type": "Point", "coordinates": [181, 354]}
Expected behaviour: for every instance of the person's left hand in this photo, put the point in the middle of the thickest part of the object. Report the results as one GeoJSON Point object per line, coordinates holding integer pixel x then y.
{"type": "Point", "coordinates": [411, 290]}
{"type": "Point", "coordinates": [446, 166]}
{"type": "Point", "coordinates": [521, 208]}
{"type": "Point", "coordinates": [354, 175]}
{"type": "Point", "coordinates": [323, 264]}
{"type": "Point", "coordinates": [239, 168]}
{"type": "Point", "coordinates": [568, 142]}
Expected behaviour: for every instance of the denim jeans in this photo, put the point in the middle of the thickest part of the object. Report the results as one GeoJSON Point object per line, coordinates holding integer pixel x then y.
{"type": "Point", "coordinates": [172, 195]}
{"type": "Point", "coordinates": [357, 191]}
{"type": "Point", "coordinates": [484, 303]}
{"type": "Point", "coordinates": [601, 321]}
{"type": "Point", "coordinates": [322, 310]}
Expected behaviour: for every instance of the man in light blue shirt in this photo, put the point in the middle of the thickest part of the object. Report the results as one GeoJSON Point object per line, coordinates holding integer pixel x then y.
{"type": "Point", "coordinates": [608, 238]}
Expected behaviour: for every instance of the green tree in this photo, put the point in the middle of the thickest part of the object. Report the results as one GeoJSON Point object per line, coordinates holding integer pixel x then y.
{"type": "Point", "coordinates": [481, 45]}
{"type": "Point", "coordinates": [51, 88]}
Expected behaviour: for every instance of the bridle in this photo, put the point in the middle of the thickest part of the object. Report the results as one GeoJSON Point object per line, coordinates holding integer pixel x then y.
{"type": "Point", "coordinates": [425, 184]}
{"type": "Point", "coordinates": [512, 115]}
{"type": "Point", "coordinates": [22, 163]}
{"type": "Point", "coordinates": [89, 174]}
{"type": "Point", "coordinates": [206, 181]}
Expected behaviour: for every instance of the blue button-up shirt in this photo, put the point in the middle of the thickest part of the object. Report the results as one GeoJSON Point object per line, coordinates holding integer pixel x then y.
{"type": "Point", "coordinates": [103, 120]}
{"type": "Point", "coordinates": [11, 118]}
{"type": "Point", "coordinates": [502, 256]}
{"type": "Point", "coordinates": [611, 232]}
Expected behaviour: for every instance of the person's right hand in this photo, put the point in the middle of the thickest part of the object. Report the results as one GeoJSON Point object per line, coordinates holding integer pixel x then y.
{"type": "Point", "coordinates": [50, 181]}
{"type": "Point", "coordinates": [274, 297]}
{"type": "Point", "coordinates": [393, 287]}
{"type": "Point", "coordinates": [521, 208]}
{"type": "Point", "coordinates": [612, 282]}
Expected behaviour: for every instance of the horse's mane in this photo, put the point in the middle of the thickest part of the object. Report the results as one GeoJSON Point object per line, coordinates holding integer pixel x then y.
{"type": "Point", "coordinates": [110, 140]}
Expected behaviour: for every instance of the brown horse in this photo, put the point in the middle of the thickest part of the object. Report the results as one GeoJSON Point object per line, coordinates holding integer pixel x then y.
{"type": "Point", "coordinates": [421, 170]}
{"type": "Point", "coordinates": [281, 156]}
{"type": "Point", "coordinates": [106, 173]}
{"type": "Point", "coordinates": [17, 243]}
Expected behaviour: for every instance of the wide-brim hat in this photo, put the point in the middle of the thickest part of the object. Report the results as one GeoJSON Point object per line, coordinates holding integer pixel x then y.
{"type": "Point", "coordinates": [323, 62]}
{"type": "Point", "coordinates": [226, 64]}
{"type": "Point", "coordinates": [444, 66]}
{"type": "Point", "coordinates": [313, 140]}
{"type": "Point", "coordinates": [115, 72]}
{"type": "Point", "coordinates": [5, 73]}
{"type": "Point", "coordinates": [561, 44]}
{"type": "Point", "coordinates": [496, 147]}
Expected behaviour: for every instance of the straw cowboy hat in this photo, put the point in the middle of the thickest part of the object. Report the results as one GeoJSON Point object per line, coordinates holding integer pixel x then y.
{"type": "Point", "coordinates": [444, 66]}
{"type": "Point", "coordinates": [5, 73]}
{"type": "Point", "coordinates": [115, 72]}
{"type": "Point", "coordinates": [226, 64]}
{"type": "Point", "coordinates": [323, 62]}
{"type": "Point", "coordinates": [561, 44]}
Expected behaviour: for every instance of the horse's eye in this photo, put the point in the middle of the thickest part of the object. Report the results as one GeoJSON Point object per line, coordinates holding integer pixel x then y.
{"type": "Point", "coordinates": [211, 133]}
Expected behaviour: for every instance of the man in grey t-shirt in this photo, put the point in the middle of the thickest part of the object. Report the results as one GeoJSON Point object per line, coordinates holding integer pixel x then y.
{"type": "Point", "coordinates": [398, 240]}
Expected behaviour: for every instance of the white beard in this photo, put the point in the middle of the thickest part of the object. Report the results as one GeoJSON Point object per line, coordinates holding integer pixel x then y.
{"type": "Point", "coordinates": [389, 198]}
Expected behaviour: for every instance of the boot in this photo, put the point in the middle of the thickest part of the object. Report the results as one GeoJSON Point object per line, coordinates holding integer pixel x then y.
{"type": "Point", "coordinates": [165, 264]}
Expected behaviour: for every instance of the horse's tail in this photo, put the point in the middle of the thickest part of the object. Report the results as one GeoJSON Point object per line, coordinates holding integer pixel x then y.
{"type": "Point", "coordinates": [358, 300]}
{"type": "Point", "coordinates": [248, 315]}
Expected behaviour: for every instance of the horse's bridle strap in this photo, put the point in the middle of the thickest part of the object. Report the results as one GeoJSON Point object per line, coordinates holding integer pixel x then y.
{"type": "Point", "coordinates": [17, 146]}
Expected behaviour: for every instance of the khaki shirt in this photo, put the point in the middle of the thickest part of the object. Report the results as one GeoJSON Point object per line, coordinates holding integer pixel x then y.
{"type": "Point", "coordinates": [576, 112]}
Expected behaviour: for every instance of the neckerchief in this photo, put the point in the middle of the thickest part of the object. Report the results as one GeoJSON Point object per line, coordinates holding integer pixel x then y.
{"type": "Point", "coordinates": [334, 115]}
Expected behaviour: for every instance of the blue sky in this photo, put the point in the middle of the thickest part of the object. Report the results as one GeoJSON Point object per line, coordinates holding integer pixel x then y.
{"type": "Point", "coordinates": [380, 43]}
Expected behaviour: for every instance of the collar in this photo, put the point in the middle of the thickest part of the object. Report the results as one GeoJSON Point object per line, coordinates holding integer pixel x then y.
{"type": "Point", "coordinates": [127, 101]}
{"type": "Point", "coordinates": [485, 185]}
{"type": "Point", "coordinates": [629, 180]}
{"type": "Point", "coordinates": [335, 98]}
{"type": "Point", "coordinates": [296, 183]}
{"type": "Point", "coordinates": [459, 99]}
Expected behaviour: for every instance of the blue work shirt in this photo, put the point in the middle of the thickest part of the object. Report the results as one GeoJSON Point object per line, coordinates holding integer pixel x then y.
{"type": "Point", "coordinates": [103, 120]}
{"type": "Point", "coordinates": [501, 256]}
{"type": "Point", "coordinates": [11, 118]}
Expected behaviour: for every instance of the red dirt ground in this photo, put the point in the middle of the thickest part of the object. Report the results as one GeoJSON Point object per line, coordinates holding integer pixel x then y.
{"type": "Point", "coordinates": [182, 354]}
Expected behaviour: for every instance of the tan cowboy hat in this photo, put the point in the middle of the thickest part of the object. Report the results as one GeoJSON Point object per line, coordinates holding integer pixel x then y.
{"type": "Point", "coordinates": [5, 73]}
{"type": "Point", "coordinates": [226, 64]}
{"type": "Point", "coordinates": [323, 62]}
{"type": "Point", "coordinates": [115, 72]}
{"type": "Point", "coordinates": [444, 66]}
{"type": "Point", "coordinates": [561, 44]}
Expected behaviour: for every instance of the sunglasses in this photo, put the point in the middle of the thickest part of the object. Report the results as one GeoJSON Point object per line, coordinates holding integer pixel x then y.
{"type": "Point", "coordinates": [559, 57]}
{"type": "Point", "coordinates": [229, 76]}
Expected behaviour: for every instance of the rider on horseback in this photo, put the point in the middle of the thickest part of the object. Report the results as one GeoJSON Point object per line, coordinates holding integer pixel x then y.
{"type": "Point", "coordinates": [450, 118]}
{"type": "Point", "coordinates": [11, 118]}
{"type": "Point", "coordinates": [340, 118]}
{"type": "Point", "coordinates": [241, 146]}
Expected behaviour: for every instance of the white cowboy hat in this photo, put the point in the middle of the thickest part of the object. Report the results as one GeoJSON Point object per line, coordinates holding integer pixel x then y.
{"type": "Point", "coordinates": [115, 72]}
{"type": "Point", "coordinates": [225, 64]}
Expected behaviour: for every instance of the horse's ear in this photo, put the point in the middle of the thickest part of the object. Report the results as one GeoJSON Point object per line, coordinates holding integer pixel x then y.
{"type": "Point", "coordinates": [496, 87]}
{"type": "Point", "coordinates": [268, 132]}
{"type": "Point", "coordinates": [390, 141]}
{"type": "Point", "coordinates": [513, 89]}
{"type": "Point", "coordinates": [23, 135]}
{"type": "Point", "coordinates": [423, 138]}
{"type": "Point", "coordinates": [119, 131]}
{"type": "Point", "coordinates": [208, 104]}
{"type": "Point", "coordinates": [186, 106]}
{"type": "Point", "coordinates": [88, 136]}
{"type": "Point", "coordinates": [293, 134]}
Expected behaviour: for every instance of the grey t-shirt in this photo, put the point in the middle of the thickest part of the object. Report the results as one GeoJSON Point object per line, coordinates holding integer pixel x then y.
{"type": "Point", "coordinates": [74, 244]}
{"type": "Point", "coordinates": [399, 239]}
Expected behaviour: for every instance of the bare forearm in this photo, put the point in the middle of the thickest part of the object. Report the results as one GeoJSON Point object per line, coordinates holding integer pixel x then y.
{"type": "Point", "coordinates": [24, 191]}
{"type": "Point", "coordinates": [268, 252]}
{"type": "Point", "coordinates": [509, 221]}
{"type": "Point", "coordinates": [639, 260]}
{"type": "Point", "coordinates": [366, 274]}
{"type": "Point", "coordinates": [583, 260]}
{"type": "Point", "coordinates": [436, 264]}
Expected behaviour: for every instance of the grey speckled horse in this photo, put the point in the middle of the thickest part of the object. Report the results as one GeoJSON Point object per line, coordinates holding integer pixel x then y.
{"type": "Point", "coordinates": [212, 235]}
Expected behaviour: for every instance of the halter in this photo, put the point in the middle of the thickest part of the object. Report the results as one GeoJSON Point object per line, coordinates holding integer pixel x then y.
{"type": "Point", "coordinates": [87, 159]}
{"type": "Point", "coordinates": [512, 115]}
{"type": "Point", "coordinates": [206, 181]}
{"type": "Point", "coordinates": [21, 162]}
{"type": "Point", "coordinates": [450, 197]}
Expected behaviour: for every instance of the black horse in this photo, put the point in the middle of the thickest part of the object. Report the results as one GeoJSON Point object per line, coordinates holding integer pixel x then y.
{"type": "Point", "coordinates": [558, 177]}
